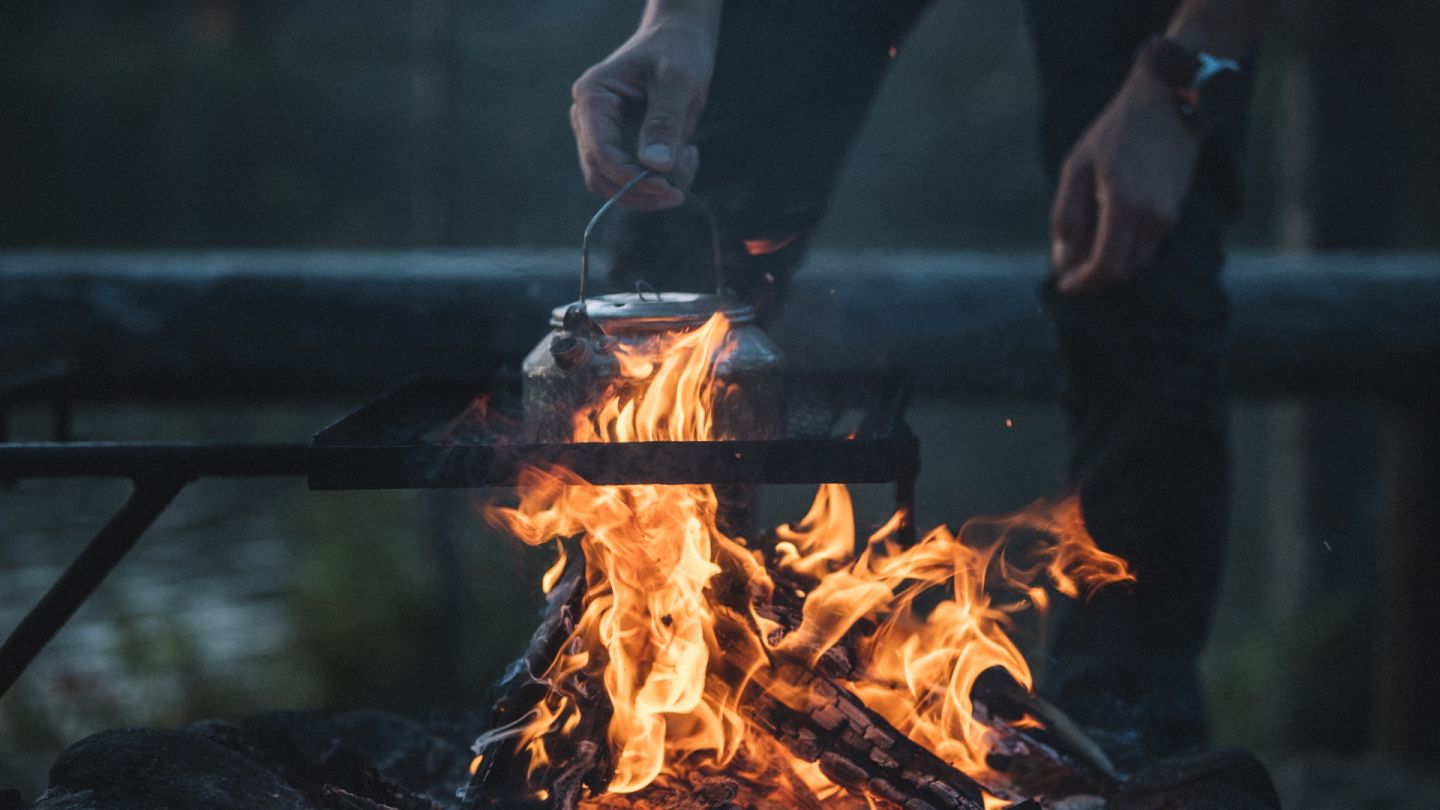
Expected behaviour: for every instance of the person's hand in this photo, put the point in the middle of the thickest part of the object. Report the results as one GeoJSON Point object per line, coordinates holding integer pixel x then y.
{"type": "Point", "coordinates": [1121, 187]}
{"type": "Point", "coordinates": [636, 110]}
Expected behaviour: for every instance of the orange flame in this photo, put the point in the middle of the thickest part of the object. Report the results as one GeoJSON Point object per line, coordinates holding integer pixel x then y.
{"type": "Point", "coordinates": [920, 666]}
{"type": "Point", "coordinates": [670, 627]}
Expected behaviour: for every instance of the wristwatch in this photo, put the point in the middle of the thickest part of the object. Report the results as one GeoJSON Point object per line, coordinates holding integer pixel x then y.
{"type": "Point", "coordinates": [1208, 90]}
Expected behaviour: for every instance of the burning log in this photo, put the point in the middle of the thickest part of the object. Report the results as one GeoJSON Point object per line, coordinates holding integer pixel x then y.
{"type": "Point", "coordinates": [705, 793]}
{"type": "Point", "coordinates": [1040, 750]}
{"type": "Point", "coordinates": [806, 709]}
{"type": "Point", "coordinates": [858, 749]}
{"type": "Point", "coordinates": [497, 783]}
{"type": "Point", "coordinates": [853, 746]}
{"type": "Point", "coordinates": [786, 607]}
{"type": "Point", "coordinates": [581, 758]}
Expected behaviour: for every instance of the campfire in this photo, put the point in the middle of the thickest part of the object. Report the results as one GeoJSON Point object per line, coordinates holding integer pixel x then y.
{"type": "Point", "coordinates": [686, 660]}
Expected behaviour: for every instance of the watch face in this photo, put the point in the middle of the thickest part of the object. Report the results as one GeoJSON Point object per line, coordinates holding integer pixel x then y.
{"type": "Point", "coordinates": [1218, 97]}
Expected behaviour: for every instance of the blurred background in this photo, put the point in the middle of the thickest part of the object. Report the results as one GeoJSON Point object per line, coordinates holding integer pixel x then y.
{"type": "Point", "coordinates": [218, 124]}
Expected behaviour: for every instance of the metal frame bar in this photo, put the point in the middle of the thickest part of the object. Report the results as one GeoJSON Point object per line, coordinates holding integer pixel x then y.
{"type": "Point", "coordinates": [907, 472]}
{"type": "Point", "coordinates": [150, 497]}
{"type": "Point", "coordinates": [159, 470]}
{"type": "Point", "coordinates": [21, 460]}
{"type": "Point", "coordinates": [415, 436]}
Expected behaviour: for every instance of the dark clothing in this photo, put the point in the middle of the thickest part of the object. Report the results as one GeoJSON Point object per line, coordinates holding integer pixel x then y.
{"type": "Point", "coordinates": [792, 83]}
{"type": "Point", "coordinates": [1147, 406]}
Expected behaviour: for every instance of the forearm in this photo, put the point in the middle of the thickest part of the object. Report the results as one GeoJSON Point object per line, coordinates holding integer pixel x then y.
{"type": "Point", "coordinates": [1228, 29]}
{"type": "Point", "coordinates": [704, 14]}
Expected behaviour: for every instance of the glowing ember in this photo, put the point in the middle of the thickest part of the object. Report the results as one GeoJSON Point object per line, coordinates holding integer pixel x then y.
{"type": "Point", "coordinates": [761, 247]}
{"type": "Point", "coordinates": [687, 629]}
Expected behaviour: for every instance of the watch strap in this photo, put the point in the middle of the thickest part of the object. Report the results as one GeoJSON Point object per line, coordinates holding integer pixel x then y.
{"type": "Point", "coordinates": [1175, 64]}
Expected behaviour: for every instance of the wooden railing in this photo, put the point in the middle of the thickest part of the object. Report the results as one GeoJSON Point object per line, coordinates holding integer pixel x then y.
{"type": "Point", "coordinates": [970, 325]}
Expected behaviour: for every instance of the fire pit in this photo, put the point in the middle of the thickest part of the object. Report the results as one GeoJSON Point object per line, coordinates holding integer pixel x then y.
{"type": "Point", "coordinates": [682, 662]}
{"type": "Point", "coordinates": [434, 434]}
{"type": "Point", "coordinates": [685, 660]}
{"type": "Point", "coordinates": [688, 658]}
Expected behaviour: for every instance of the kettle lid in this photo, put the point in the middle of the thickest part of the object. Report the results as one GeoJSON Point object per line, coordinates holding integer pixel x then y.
{"type": "Point", "coordinates": [657, 312]}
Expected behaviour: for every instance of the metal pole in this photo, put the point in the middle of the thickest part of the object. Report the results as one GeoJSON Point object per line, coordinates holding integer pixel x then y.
{"type": "Point", "coordinates": [84, 575]}
{"type": "Point", "coordinates": [906, 473]}
{"type": "Point", "coordinates": [146, 460]}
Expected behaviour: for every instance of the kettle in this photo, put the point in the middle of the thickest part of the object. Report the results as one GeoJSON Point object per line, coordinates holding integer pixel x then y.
{"type": "Point", "coordinates": [575, 364]}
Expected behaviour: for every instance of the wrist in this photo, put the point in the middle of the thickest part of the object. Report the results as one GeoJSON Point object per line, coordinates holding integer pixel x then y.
{"type": "Point", "coordinates": [1226, 29]}
{"type": "Point", "coordinates": [1198, 38]}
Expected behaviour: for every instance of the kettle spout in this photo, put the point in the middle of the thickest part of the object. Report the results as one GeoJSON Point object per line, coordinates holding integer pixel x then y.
{"type": "Point", "coordinates": [570, 352]}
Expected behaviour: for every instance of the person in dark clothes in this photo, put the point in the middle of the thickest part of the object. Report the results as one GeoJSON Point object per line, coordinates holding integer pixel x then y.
{"type": "Point", "coordinates": [754, 104]}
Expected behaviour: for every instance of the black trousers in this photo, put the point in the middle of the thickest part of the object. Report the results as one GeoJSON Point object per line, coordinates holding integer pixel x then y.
{"type": "Point", "coordinates": [793, 81]}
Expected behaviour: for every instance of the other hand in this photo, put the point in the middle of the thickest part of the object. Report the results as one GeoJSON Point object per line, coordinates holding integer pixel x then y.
{"type": "Point", "coordinates": [637, 109]}
{"type": "Point", "coordinates": [1122, 187]}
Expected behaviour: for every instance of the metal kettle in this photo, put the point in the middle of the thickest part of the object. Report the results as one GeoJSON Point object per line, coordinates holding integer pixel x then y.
{"type": "Point", "coordinates": [574, 363]}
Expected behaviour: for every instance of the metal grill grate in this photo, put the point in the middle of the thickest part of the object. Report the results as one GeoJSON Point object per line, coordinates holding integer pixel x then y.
{"type": "Point", "coordinates": [458, 433]}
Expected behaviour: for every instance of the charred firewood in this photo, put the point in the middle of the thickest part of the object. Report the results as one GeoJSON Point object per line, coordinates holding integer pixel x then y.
{"type": "Point", "coordinates": [497, 782]}
{"type": "Point", "coordinates": [823, 723]}
{"type": "Point", "coordinates": [580, 759]}
{"type": "Point", "coordinates": [1052, 757]}
{"type": "Point", "coordinates": [693, 793]}
{"type": "Point", "coordinates": [858, 749]}
{"type": "Point", "coordinates": [786, 607]}
{"type": "Point", "coordinates": [775, 783]}
{"type": "Point", "coordinates": [855, 747]}
{"type": "Point", "coordinates": [1039, 749]}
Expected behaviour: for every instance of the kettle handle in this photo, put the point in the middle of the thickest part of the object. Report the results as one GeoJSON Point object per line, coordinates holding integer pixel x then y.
{"type": "Point", "coordinates": [690, 197]}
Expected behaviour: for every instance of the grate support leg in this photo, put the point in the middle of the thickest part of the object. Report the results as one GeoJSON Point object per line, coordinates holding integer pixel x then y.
{"type": "Point", "coordinates": [906, 474]}
{"type": "Point", "coordinates": [84, 575]}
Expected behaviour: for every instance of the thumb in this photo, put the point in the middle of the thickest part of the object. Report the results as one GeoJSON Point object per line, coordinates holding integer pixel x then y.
{"type": "Point", "coordinates": [662, 133]}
